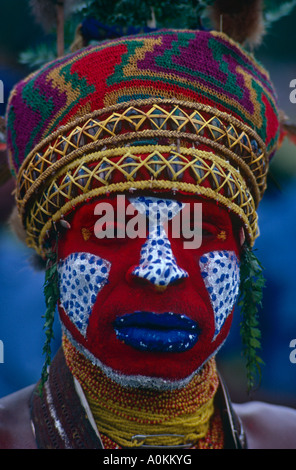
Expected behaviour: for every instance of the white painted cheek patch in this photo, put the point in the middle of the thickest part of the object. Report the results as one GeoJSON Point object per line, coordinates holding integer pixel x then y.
{"type": "Point", "coordinates": [220, 272]}
{"type": "Point", "coordinates": [81, 277]}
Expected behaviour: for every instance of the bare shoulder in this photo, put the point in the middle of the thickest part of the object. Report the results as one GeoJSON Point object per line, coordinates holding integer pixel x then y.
{"type": "Point", "coordinates": [15, 424]}
{"type": "Point", "coordinates": [268, 426]}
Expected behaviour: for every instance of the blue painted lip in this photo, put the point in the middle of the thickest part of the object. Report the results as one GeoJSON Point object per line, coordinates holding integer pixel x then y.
{"type": "Point", "coordinates": [157, 332]}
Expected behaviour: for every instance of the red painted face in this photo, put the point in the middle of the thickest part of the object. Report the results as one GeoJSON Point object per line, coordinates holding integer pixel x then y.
{"type": "Point", "coordinates": [148, 306]}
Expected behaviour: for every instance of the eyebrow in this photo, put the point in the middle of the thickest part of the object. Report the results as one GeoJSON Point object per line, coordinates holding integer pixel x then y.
{"type": "Point", "coordinates": [88, 217]}
{"type": "Point", "coordinates": [215, 219]}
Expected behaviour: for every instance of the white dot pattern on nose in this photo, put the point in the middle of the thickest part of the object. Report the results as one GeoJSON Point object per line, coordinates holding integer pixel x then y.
{"type": "Point", "coordinates": [220, 272]}
{"type": "Point", "coordinates": [157, 262]}
{"type": "Point", "coordinates": [81, 277]}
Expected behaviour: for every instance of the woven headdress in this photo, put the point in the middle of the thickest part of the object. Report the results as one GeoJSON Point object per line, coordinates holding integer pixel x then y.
{"type": "Point", "coordinates": [186, 111]}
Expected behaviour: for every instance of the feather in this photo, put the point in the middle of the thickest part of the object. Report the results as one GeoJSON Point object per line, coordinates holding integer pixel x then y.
{"type": "Point", "coordinates": [2, 133]}
{"type": "Point", "coordinates": [37, 262]}
{"type": "Point", "coordinates": [287, 129]}
{"type": "Point", "coordinates": [5, 174]}
{"type": "Point", "coordinates": [242, 21]}
{"type": "Point", "coordinates": [45, 12]}
{"type": "Point", "coordinates": [275, 10]}
{"type": "Point", "coordinates": [16, 225]}
{"type": "Point", "coordinates": [52, 14]}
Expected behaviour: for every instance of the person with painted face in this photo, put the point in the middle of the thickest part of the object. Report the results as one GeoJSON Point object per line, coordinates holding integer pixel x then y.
{"type": "Point", "coordinates": [115, 147]}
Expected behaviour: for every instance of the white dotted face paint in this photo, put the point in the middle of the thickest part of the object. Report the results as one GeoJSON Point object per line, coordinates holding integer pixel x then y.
{"type": "Point", "coordinates": [158, 263]}
{"type": "Point", "coordinates": [81, 277]}
{"type": "Point", "coordinates": [220, 272]}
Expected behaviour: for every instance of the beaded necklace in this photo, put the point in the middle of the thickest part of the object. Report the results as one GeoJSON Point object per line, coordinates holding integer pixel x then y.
{"type": "Point", "coordinates": [182, 417]}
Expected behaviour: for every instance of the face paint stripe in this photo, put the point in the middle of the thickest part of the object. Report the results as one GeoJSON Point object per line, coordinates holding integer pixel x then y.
{"type": "Point", "coordinates": [157, 262]}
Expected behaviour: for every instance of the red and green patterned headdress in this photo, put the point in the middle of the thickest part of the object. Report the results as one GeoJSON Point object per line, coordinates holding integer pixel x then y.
{"type": "Point", "coordinates": [187, 111]}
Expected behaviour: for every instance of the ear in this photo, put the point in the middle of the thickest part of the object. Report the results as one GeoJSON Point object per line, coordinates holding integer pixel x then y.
{"type": "Point", "coordinates": [242, 236]}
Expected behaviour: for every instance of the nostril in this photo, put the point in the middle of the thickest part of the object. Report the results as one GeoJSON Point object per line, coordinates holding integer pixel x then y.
{"type": "Point", "coordinates": [140, 281]}
{"type": "Point", "coordinates": [152, 283]}
{"type": "Point", "coordinates": [178, 281]}
{"type": "Point", "coordinates": [133, 278]}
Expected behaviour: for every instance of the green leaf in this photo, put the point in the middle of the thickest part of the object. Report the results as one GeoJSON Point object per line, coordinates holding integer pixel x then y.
{"type": "Point", "coordinates": [255, 343]}
{"type": "Point", "coordinates": [252, 283]}
{"type": "Point", "coordinates": [51, 294]}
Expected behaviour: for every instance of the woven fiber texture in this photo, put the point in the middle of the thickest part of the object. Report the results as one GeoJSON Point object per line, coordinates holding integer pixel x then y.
{"type": "Point", "coordinates": [225, 104]}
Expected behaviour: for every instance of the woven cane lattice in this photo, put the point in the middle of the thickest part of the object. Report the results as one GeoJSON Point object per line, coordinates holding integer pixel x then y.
{"type": "Point", "coordinates": [140, 168]}
{"type": "Point", "coordinates": [164, 121]}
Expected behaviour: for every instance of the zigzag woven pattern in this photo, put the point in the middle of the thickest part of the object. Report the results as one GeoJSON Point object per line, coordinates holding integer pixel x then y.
{"type": "Point", "coordinates": [198, 66]}
{"type": "Point", "coordinates": [196, 91]}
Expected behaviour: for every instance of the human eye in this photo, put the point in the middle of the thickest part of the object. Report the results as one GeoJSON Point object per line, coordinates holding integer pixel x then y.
{"type": "Point", "coordinates": [209, 231]}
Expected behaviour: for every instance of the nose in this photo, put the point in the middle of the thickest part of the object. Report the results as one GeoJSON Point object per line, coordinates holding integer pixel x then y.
{"type": "Point", "coordinates": [158, 265]}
